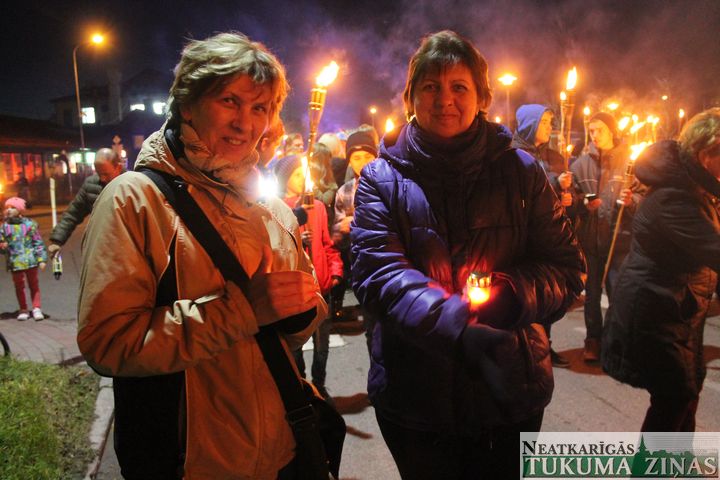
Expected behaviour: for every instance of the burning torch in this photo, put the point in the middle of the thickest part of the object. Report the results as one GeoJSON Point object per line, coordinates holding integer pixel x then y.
{"type": "Point", "coordinates": [317, 101]}
{"type": "Point", "coordinates": [57, 267]}
{"type": "Point", "coordinates": [478, 288]}
{"type": "Point", "coordinates": [567, 109]}
{"type": "Point", "coordinates": [629, 175]}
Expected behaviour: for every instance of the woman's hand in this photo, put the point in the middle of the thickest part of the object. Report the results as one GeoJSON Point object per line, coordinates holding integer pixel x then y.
{"type": "Point", "coordinates": [625, 197]}
{"type": "Point", "coordinates": [278, 295]}
{"type": "Point", "coordinates": [565, 180]}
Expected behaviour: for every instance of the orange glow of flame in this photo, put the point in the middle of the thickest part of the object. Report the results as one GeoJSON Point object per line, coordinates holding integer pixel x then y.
{"type": "Point", "coordinates": [498, 119]}
{"type": "Point", "coordinates": [586, 111]}
{"type": "Point", "coordinates": [681, 113]}
{"type": "Point", "coordinates": [623, 123]}
{"type": "Point", "coordinates": [634, 129]}
{"type": "Point", "coordinates": [569, 149]}
{"type": "Point", "coordinates": [612, 106]}
{"type": "Point", "coordinates": [478, 288]}
{"type": "Point", "coordinates": [637, 150]}
{"type": "Point", "coordinates": [327, 75]}
{"type": "Point", "coordinates": [309, 185]}
{"type": "Point", "coordinates": [563, 96]}
{"type": "Point", "coordinates": [389, 125]}
{"type": "Point", "coordinates": [572, 78]}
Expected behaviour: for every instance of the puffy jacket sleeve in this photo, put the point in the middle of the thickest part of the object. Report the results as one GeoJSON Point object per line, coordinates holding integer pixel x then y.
{"type": "Point", "coordinates": [79, 208]}
{"type": "Point", "coordinates": [551, 274]}
{"type": "Point", "coordinates": [125, 252]}
{"type": "Point", "coordinates": [385, 281]}
{"type": "Point", "coordinates": [38, 246]}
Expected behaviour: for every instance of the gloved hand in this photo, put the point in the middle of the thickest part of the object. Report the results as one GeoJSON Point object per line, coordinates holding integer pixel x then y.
{"type": "Point", "coordinates": [53, 250]}
{"type": "Point", "coordinates": [502, 308]}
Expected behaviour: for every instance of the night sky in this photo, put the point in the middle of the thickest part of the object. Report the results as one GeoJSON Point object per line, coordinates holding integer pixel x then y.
{"type": "Point", "coordinates": [631, 50]}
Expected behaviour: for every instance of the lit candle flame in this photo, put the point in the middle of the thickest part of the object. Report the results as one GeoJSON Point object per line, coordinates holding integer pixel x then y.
{"type": "Point", "coordinates": [572, 77]}
{"type": "Point", "coordinates": [612, 106]}
{"type": "Point", "coordinates": [637, 150]}
{"type": "Point", "coordinates": [478, 288]}
{"type": "Point", "coordinates": [623, 123]}
{"type": "Point", "coordinates": [389, 125]}
{"type": "Point", "coordinates": [586, 111]}
{"type": "Point", "coordinates": [327, 75]}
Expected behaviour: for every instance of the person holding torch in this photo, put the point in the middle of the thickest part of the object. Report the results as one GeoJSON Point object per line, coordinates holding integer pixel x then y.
{"type": "Point", "coordinates": [449, 207]}
{"type": "Point", "coordinates": [653, 334]}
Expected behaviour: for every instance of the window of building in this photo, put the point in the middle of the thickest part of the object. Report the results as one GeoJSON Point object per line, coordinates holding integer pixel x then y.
{"type": "Point", "coordinates": [88, 115]}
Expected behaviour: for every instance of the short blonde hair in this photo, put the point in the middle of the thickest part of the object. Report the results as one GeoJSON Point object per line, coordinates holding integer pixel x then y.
{"type": "Point", "coordinates": [702, 131]}
{"type": "Point", "coordinates": [206, 64]}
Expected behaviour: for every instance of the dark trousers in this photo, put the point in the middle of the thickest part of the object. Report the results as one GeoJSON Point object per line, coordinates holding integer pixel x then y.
{"type": "Point", "coordinates": [430, 455]}
{"type": "Point", "coordinates": [321, 350]}
{"type": "Point", "coordinates": [670, 414]}
{"type": "Point", "coordinates": [593, 292]}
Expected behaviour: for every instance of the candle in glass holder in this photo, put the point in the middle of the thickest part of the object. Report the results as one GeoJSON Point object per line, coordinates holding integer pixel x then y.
{"type": "Point", "coordinates": [478, 288]}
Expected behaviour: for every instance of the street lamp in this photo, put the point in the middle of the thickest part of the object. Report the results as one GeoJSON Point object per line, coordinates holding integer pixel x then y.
{"type": "Point", "coordinates": [96, 39]}
{"type": "Point", "coordinates": [373, 111]}
{"type": "Point", "coordinates": [507, 80]}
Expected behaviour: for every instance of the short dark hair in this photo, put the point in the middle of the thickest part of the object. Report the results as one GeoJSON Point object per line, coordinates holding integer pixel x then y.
{"type": "Point", "coordinates": [441, 50]}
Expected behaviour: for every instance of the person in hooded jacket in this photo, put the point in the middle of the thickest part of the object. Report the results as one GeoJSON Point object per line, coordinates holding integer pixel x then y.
{"type": "Point", "coordinates": [653, 334]}
{"type": "Point", "coordinates": [454, 384]}
{"type": "Point", "coordinates": [533, 136]}
{"type": "Point", "coordinates": [599, 176]}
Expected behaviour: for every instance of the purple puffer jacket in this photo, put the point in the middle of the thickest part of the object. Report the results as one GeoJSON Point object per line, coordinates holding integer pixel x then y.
{"type": "Point", "coordinates": [424, 219]}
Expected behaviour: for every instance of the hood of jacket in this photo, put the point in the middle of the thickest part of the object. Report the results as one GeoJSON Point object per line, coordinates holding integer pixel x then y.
{"type": "Point", "coordinates": [528, 118]}
{"type": "Point", "coordinates": [663, 165]}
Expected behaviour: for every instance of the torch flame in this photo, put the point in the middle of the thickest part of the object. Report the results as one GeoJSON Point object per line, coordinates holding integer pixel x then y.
{"type": "Point", "coordinates": [637, 150]}
{"type": "Point", "coordinates": [612, 106]}
{"type": "Point", "coordinates": [507, 79]}
{"type": "Point", "coordinates": [306, 169]}
{"type": "Point", "coordinates": [327, 75]}
{"type": "Point", "coordinates": [389, 125]}
{"type": "Point", "coordinates": [681, 113]}
{"type": "Point", "coordinates": [563, 96]}
{"type": "Point", "coordinates": [498, 119]}
{"type": "Point", "coordinates": [572, 77]}
{"type": "Point", "coordinates": [569, 148]}
{"type": "Point", "coordinates": [636, 127]}
{"type": "Point", "coordinates": [623, 123]}
{"type": "Point", "coordinates": [586, 111]}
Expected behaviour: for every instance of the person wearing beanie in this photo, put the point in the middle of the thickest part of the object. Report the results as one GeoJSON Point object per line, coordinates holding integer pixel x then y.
{"type": "Point", "coordinates": [325, 258]}
{"type": "Point", "coordinates": [599, 176]}
{"type": "Point", "coordinates": [360, 149]}
{"type": "Point", "coordinates": [20, 240]}
{"type": "Point", "coordinates": [533, 135]}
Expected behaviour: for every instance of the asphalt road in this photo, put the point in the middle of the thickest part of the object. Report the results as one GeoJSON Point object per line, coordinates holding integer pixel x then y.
{"type": "Point", "coordinates": [585, 399]}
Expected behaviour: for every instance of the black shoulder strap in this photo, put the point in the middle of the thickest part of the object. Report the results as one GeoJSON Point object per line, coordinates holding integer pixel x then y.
{"type": "Point", "coordinates": [176, 193]}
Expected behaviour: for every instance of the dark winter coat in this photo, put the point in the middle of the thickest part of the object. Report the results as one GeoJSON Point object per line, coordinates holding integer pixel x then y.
{"type": "Point", "coordinates": [424, 219]}
{"type": "Point", "coordinates": [604, 175]}
{"type": "Point", "coordinates": [79, 208]}
{"type": "Point", "coordinates": [653, 329]}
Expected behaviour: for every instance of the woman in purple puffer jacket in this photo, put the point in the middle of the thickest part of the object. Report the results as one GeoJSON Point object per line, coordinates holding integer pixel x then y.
{"type": "Point", "coordinates": [453, 384]}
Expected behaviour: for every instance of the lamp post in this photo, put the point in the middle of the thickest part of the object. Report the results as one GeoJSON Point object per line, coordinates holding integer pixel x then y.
{"type": "Point", "coordinates": [507, 79]}
{"type": "Point", "coordinates": [373, 111]}
{"type": "Point", "coordinates": [97, 39]}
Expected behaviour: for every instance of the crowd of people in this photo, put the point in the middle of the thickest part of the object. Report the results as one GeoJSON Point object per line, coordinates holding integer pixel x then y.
{"type": "Point", "coordinates": [405, 221]}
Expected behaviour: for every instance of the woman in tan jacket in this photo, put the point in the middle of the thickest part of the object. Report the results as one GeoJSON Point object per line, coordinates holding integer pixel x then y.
{"type": "Point", "coordinates": [194, 397]}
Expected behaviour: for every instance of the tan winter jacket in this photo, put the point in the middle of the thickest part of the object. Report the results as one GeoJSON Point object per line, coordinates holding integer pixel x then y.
{"type": "Point", "coordinates": [236, 427]}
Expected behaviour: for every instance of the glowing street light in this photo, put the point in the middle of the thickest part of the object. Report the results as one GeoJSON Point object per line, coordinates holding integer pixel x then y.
{"type": "Point", "coordinates": [96, 39]}
{"type": "Point", "coordinates": [507, 79]}
{"type": "Point", "coordinates": [373, 111]}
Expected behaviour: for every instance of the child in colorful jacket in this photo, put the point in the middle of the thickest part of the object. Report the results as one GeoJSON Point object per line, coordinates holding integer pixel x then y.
{"type": "Point", "coordinates": [20, 239]}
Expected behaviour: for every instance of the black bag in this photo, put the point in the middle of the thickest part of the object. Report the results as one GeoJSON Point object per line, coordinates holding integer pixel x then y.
{"type": "Point", "coordinates": [318, 428]}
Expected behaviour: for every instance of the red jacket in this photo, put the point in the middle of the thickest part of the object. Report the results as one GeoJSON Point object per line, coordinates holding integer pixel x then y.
{"type": "Point", "coordinates": [325, 257]}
